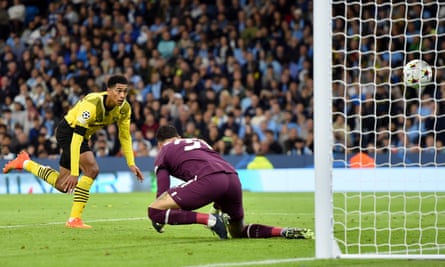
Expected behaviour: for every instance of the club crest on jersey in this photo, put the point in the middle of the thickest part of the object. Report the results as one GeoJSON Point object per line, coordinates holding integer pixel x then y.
{"type": "Point", "coordinates": [84, 117]}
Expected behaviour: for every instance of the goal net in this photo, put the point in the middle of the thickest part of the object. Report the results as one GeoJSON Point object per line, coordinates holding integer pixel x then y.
{"type": "Point", "coordinates": [385, 193]}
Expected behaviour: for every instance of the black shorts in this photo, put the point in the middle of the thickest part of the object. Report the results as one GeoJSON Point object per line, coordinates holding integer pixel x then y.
{"type": "Point", "coordinates": [64, 134]}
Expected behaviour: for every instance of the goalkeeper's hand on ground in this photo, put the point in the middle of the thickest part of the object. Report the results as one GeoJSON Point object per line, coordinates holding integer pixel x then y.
{"type": "Point", "coordinates": [158, 226]}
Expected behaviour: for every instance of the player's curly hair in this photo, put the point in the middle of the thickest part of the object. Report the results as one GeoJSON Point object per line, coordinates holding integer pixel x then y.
{"type": "Point", "coordinates": [115, 79]}
{"type": "Point", "coordinates": [165, 132]}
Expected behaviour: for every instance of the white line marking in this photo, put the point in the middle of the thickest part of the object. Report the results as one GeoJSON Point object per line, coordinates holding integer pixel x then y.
{"type": "Point", "coordinates": [56, 223]}
{"type": "Point", "coordinates": [139, 218]}
{"type": "Point", "coordinates": [249, 263]}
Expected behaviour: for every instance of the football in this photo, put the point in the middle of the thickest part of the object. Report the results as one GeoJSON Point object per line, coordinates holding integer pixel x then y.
{"type": "Point", "coordinates": [417, 73]}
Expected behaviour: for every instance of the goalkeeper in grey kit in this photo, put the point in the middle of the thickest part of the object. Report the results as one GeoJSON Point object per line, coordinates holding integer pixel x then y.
{"type": "Point", "coordinates": [207, 178]}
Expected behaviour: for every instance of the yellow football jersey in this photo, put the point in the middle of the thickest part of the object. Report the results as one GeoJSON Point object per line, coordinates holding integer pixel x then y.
{"type": "Point", "coordinates": [90, 113]}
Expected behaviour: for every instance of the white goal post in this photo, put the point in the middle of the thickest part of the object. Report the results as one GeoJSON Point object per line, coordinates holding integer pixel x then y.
{"type": "Point", "coordinates": [393, 205]}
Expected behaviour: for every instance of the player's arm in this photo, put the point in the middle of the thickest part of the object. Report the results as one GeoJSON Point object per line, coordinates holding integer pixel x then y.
{"type": "Point", "coordinates": [70, 183]}
{"type": "Point", "coordinates": [126, 143]}
{"type": "Point", "coordinates": [86, 113]}
{"type": "Point", "coordinates": [163, 181]}
{"type": "Point", "coordinates": [76, 141]}
{"type": "Point", "coordinates": [125, 137]}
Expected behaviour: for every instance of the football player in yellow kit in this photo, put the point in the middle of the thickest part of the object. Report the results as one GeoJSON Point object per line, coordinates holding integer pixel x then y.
{"type": "Point", "coordinates": [89, 115]}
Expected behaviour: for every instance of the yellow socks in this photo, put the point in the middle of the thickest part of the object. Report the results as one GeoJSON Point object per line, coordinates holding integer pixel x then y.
{"type": "Point", "coordinates": [81, 195]}
{"type": "Point", "coordinates": [49, 175]}
{"type": "Point", "coordinates": [46, 173]}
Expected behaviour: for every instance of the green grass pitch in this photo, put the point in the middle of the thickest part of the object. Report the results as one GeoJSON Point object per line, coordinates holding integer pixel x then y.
{"type": "Point", "coordinates": [32, 233]}
{"type": "Point", "coordinates": [400, 222]}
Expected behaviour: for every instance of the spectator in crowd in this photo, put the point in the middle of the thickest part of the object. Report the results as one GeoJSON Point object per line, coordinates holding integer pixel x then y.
{"type": "Point", "coordinates": [150, 123]}
{"type": "Point", "coordinates": [113, 142]}
{"type": "Point", "coordinates": [341, 130]}
{"type": "Point", "coordinates": [291, 138]}
{"type": "Point", "coordinates": [139, 142]}
{"type": "Point", "coordinates": [20, 140]}
{"type": "Point", "coordinates": [17, 13]}
{"type": "Point", "coordinates": [260, 161]}
{"type": "Point", "coordinates": [271, 145]}
{"type": "Point", "coordinates": [5, 143]}
{"type": "Point", "coordinates": [300, 148]}
{"type": "Point", "coordinates": [100, 147]}
{"type": "Point", "coordinates": [247, 59]}
{"type": "Point", "coordinates": [154, 88]}
{"type": "Point", "coordinates": [361, 160]}
{"type": "Point", "coordinates": [4, 20]}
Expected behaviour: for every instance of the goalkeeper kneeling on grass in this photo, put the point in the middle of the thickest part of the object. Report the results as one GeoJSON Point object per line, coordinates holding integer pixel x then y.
{"type": "Point", "coordinates": [208, 178]}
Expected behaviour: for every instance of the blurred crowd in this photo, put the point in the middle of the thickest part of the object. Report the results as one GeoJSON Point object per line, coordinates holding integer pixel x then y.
{"type": "Point", "coordinates": [237, 73]}
{"type": "Point", "coordinates": [373, 109]}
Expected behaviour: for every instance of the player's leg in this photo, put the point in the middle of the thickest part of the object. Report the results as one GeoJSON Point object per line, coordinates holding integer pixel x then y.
{"type": "Point", "coordinates": [55, 178]}
{"type": "Point", "coordinates": [24, 162]}
{"type": "Point", "coordinates": [237, 229]}
{"type": "Point", "coordinates": [64, 135]}
{"type": "Point", "coordinates": [156, 210]}
{"type": "Point", "coordinates": [90, 170]}
{"type": "Point", "coordinates": [165, 210]}
{"type": "Point", "coordinates": [187, 197]}
{"type": "Point", "coordinates": [231, 203]}
{"type": "Point", "coordinates": [88, 166]}
{"type": "Point", "coordinates": [63, 174]}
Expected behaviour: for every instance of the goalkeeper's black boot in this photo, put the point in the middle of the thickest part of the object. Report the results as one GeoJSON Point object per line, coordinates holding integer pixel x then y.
{"type": "Point", "coordinates": [220, 227]}
{"type": "Point", "coordinates": [159, 227]}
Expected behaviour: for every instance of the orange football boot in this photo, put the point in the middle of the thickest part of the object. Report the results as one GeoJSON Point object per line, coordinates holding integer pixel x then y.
{"type": "Point", "coordinates": [17, 163]}
{"type": "Point", "coordinates": [76, 223]}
